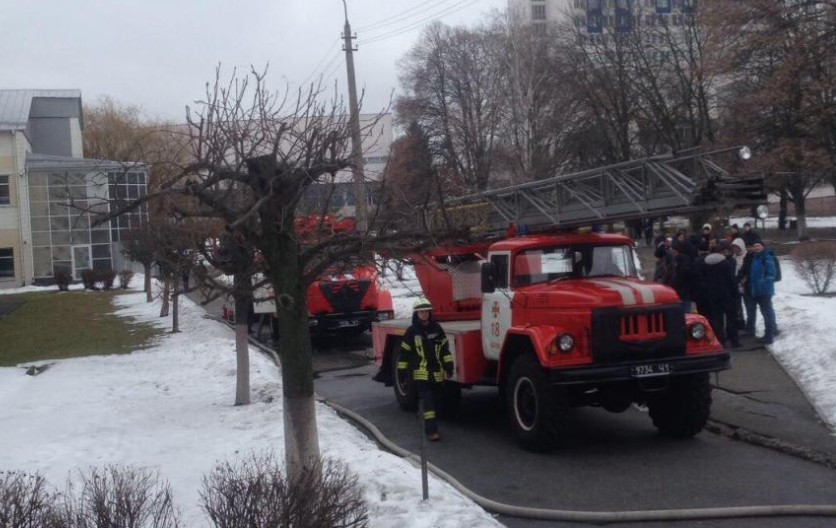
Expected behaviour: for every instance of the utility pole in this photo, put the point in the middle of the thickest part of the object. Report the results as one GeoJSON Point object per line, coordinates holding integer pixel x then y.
{"type": "Point", "coordinates": [354, 121]}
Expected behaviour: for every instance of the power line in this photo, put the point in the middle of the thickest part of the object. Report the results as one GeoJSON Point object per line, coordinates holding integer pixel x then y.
{"type": "Point", "coordinates": [415, 25]}
{"type": "Point", "coordinates": [394, 19]}
{"type": "Point", "coordinates": [319, 63]}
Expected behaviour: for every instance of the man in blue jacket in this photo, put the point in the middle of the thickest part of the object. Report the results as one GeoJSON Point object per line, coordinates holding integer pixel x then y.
{"type": "Point", "coordinates": [760, 286]}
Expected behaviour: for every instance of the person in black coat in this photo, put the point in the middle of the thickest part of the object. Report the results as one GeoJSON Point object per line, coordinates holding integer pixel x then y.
{"type": "Point", "coordinates": [718, 286]}
{"type": "Point", "coordinates": [683, 275]}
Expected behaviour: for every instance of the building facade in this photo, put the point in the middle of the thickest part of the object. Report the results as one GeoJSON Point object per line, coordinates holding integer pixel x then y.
{"type": "Point", "coordinates": [50, 195]}
{"type": "Point", "coordinates": [600, 16]}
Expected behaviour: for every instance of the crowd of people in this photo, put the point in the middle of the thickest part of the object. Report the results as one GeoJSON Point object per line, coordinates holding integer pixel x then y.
{"type": "Point", "coordinates": [727, 277]}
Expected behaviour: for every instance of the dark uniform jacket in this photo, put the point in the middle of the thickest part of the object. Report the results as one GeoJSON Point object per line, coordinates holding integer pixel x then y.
{"type": "Point", "coordinates": [426, 352]}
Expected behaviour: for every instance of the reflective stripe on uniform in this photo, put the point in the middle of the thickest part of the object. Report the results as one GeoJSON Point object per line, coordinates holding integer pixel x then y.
{"type": "Point", "coordinates": [405, 345]}
{"type": "Point", "coordinates": [403, 365]}
{"type": "Point", "coordinates": [429, 415]}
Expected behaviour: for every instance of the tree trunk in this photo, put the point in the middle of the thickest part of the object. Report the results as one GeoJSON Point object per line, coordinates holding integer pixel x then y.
{"type": "Point", "coordinates": [149, 295]}
{"type": "Point", "coordinates": [175, 306]}
{"type": "Point", "coordinates": [166, 294]}
{"type": "Point", "coordinates": [782, 209]}
{"type": "Point", "coordinates": [801, 219]}
{"type": "Point", "coordinates": [242, 346]}
{"type": "Point", "coordinates": [301, 440]}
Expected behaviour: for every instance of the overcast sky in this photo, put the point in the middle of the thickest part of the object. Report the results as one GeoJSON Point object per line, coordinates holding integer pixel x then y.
{"type": "Point", "coordinates": [158, 54]}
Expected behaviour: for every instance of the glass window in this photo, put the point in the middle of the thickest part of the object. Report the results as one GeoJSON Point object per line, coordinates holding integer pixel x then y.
{"type": "Point", "coordinates": [101, 251]}
{"type": "Point", "coordinates": [548, 264]}
{"type": "Point", "coordinates": [102, 264]}
{"type": "Point", "coordinates": [100, 237]}
{"type": "Point", "coordinates": [61, 252]}
{"type": "Point", "coordinates": [7, 263]}
{"type": "Point", "coordinates": [500, 264]}
{"type": "Point", "coordinates": [538, 12]}
{"type": "Point", "coordinates": [57, 209]}
{"type": "Point", "coordinates": [5, 190]}
{"type": "Point", "coordinates": [80, 237]}
{"type": "Point", "coordinates": [57, 179]}
{"type": "Point", "coordinates": [61, 237]}
{"type": "Point", "coordinates": [37, 179]}
{"type": "Point", "coordinates": [59, 223]}
{"type": "Point", "coordinates": [132, 178]}
{"type": "Point", "coordinates": [37, 194]}
{"type": "Point", "coordinates": [41, 238]}
{"type": "Point", "coordinates": [40, 223]}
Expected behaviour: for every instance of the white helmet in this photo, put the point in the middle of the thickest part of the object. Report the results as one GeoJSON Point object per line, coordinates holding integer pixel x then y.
{"type": "Point", "coordinates": [421, 304]}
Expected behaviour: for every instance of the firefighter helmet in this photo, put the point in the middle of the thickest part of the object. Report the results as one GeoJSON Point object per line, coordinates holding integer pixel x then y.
{"type": "Point", "coordinates": [421, 304]}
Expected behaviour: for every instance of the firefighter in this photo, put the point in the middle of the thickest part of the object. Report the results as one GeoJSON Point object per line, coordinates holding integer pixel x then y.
{"type": "Point", "coordinates": [428, 358]}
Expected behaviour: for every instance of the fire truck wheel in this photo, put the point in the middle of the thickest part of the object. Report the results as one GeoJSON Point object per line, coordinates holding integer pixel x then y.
{"type": "Point", "coordinates": [537, 410]}
{"type": "Point", "coordinates": [406, 391]}
{"type": "Point", "coordinates": [682, 410]}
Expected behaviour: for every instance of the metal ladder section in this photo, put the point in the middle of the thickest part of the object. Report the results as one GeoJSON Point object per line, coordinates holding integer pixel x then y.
{"type": "Point", "coordinates": [670, 184]}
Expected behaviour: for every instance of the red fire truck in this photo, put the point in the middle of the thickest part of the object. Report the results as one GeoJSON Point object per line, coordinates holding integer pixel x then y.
{"type": "Point", "coordinates": [562, 319]}
{"type": "Point", "coordinates": [348, 296]}
{"type": "Point", "coordinates": [557, 321]}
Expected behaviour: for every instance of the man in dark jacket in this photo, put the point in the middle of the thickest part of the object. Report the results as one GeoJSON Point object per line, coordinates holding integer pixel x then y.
{"type": "Point", "coordinates": [427, 356]}
{"type": "Point", "coordinates": [683, 274]}
{"type": "Point", "coordinates": [718, 285]}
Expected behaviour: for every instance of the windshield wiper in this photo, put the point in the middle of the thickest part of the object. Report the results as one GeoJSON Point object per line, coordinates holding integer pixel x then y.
{"type": "Point", "coordinates": [558, 279]}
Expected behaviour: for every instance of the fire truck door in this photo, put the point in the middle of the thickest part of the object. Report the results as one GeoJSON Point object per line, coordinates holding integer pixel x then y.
{"type": "Point", "coordinates": [496, 307]}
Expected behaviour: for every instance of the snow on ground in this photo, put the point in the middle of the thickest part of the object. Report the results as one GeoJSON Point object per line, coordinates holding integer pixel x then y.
{"type": "Point", "coordinates": [36, 289]}
{"type": "Point", "coordinates": [805, 347]}
{"type": "Point", "coordinates": [170, 407]}
{"type": "Point", "coordinates": [772, 221]}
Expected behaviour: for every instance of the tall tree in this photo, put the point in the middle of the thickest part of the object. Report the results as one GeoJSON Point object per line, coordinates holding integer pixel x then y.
{"type": "Point", "coordinates": [453, 89]}
{"type": "Point", "coordinates": [783, 91]}
{"type": "Point", "coordinates": [254, 155]}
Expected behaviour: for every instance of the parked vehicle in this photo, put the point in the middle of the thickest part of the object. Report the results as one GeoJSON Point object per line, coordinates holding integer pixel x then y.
{"type": "Point", "coordinates": [557, 321]}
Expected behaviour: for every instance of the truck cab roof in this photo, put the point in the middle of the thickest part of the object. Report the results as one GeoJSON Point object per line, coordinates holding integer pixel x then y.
{"type": "Point", "coordinates": [550, 240]}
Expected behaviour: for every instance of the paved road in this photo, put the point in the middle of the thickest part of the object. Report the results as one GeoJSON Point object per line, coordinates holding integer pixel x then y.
{"type": "Point", "coordinates": [613, 462]}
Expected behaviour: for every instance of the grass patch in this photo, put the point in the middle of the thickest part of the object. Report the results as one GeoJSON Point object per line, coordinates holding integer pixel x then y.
{"type": "Point", "coordinates": [66, 325]}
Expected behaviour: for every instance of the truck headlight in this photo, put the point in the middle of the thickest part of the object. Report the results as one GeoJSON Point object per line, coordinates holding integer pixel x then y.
{"type": "Point", "coordinates": [697, 331]}
{"type": "Point", "coordinates": [565, 343]}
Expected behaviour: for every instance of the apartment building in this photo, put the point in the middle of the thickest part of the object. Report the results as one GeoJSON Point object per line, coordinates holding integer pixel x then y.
{"type": "Point", "coordinates": [600, 16]}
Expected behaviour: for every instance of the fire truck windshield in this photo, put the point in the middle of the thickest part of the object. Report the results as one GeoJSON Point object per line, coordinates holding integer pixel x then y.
{"type": "Point", "coordinates": [540, 265]}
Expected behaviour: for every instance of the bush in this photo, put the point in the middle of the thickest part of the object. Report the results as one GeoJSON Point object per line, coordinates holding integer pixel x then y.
{"type": "Point", "coordinates": [63, 280]}
{"type": "Point", "coordinates": [106, 278]}
{"type": "Point", "coordinates": [815, 262]}
{"type": "Point", "coordinates": [255, 494]}
{"type": "Point", "coordinates": [98, 279]}
{"type": "Point", "coordinates": [25, 501]}
{"type": "Point", "coordinates": [119, 497]}
{"type": "Point", "coordinates": [125, 277]}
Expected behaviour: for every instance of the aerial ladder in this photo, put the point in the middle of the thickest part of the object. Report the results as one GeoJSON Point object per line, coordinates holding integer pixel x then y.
{"type": "Point", "coordinates": [678, 183]}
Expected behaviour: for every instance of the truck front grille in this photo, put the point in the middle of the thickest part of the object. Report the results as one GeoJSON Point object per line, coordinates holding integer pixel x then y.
{"type": "Point", "coordinates": [620, 334]}
{"type": "Point", "coordinates": [643, 327]}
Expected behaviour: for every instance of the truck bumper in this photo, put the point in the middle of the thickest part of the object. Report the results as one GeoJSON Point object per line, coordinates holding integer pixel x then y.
{"type": "Point", "coordinates": [626, 371]}
{"type": "Point", "coordinates": [342, 322]}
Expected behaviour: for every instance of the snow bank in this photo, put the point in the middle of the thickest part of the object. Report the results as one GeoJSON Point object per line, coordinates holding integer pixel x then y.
{"type": "Point", "coordinates": [804, 347]}
{"type": "Point", "coordinates": [37, 289]}
{"type": "Point", "coordinates": [170, 407]}
{"type": "Point", "coordinates": [772, 222]}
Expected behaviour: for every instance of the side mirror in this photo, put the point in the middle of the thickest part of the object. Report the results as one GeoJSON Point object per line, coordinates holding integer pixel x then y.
{"type": "Point", "coordinates": [488, 272]}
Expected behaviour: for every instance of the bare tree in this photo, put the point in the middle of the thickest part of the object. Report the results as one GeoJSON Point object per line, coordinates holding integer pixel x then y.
{"type": "Point", "coordinates": [255, 154]}
{"type": "Point", "coordinates": [453, 86]}
{"type": "Point", "coordinates": [140, 247]}
{"type": "Point", "coordinates": [783, 90]}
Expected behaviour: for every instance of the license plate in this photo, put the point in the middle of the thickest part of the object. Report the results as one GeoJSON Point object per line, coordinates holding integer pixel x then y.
{"type": "Point", "coordinates": [352, 322]}
{"type": "Point", "coordinates": [653, 369]}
